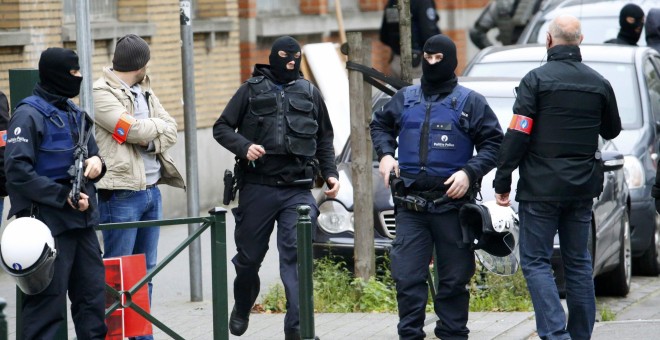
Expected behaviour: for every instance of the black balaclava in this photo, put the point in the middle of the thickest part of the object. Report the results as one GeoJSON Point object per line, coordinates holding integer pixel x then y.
{"type": "Point", "coordinates": [278, 64]}
{"type": "Point", "coordinates": [439, 77]}
{"type": "Point", "coordinates": [627, 31]}
{"type": "Point", "coordinates": [55, 67]}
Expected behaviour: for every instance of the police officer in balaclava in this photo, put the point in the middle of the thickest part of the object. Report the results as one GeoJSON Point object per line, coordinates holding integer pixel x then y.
{"type": "Point", "coordinates": [284, 60]}
{"type": "Point", "coordinates": [278, 127]}
{"type": "Point", "coordinates": [435, 126]}
{"type": "Point", "coordinates": [631, 21]}
{"type": "Point", "coordinates": [439, 65]}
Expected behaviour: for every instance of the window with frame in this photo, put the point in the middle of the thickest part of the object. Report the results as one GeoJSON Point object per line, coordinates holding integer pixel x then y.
{"type": "Point", "coordinates": [99, 10]}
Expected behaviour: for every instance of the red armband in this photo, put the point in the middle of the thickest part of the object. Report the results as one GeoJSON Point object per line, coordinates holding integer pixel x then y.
{"type": "Point", "coordinates": [3, 138]}
{"type": "Point", "coordinates": [521, 123]}
{"type": "Point", "coordinates": [123, 126]}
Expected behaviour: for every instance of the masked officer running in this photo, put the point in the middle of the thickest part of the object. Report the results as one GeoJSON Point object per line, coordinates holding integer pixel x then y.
{"type": "Point", "coordinates": [283, 128]}
{"type": "Point", "coordinates": [438, 124]}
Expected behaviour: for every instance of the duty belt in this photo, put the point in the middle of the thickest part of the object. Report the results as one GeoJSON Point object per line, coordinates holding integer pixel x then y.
{"type": "Point", "coordinates": [416, 201]}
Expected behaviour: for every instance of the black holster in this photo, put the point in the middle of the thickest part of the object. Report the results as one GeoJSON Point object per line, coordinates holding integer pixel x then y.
{"type": "Point", "coordinates": [229, 192]}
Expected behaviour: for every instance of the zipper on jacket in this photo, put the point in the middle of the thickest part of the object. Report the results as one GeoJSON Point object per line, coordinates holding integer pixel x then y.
{"type": "Point", "coordinates": [280, 121]}
{"type": "Point", "coordinates": [424, 138]}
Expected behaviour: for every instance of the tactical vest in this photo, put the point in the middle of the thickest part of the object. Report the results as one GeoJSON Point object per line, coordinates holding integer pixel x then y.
{"type": "Point", "coordinates": [282, 119]}
{"type": "Point", "coordinates": [434, 135]}
{"type": "Point", "coordinates": [56, 152]}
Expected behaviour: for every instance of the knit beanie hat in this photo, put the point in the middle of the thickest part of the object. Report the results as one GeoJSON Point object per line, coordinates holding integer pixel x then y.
{"type": "Point", "coordinates": [131, 54]}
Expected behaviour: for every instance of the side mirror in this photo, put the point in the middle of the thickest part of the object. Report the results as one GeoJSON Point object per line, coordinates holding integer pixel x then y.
{"type": "Point", "coordinates": [612, 160]}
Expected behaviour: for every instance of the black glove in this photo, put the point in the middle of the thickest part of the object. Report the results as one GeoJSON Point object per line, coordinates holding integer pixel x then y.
{"type": "Point", "coordinates": [657, 205]}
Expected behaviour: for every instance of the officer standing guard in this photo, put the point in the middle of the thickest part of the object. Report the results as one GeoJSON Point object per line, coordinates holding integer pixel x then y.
{"type": "Point", "coordinates": [438, 124]}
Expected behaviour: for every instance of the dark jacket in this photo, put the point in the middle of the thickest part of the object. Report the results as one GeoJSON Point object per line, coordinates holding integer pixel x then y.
{"type": "Point", "coordinates": [652, 27]}
{"type": "Point", "coordinates": [569, 105]}
{"type": "Point", "coordinates": [30, 192]}
{"type": "Point", "coordinates": [424, 24]}
{"type": "Point", "coordinates": [285, 167]}
{"type": "Point", "coordinates": [483, 128]}
{"type": "Point", "coordinates": [4, 120]}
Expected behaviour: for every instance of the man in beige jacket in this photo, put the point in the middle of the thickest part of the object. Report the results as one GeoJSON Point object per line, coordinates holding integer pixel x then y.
{"type": "Point", "coordinates": [133, 132]}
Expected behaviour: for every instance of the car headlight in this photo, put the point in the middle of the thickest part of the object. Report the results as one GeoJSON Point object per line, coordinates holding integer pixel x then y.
{"type": "Point", "coordinates": [634, 172]}
{"type": "Point", "coordinates": [334, 218]}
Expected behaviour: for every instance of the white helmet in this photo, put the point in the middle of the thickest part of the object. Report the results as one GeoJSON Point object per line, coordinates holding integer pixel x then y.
{"type": "Point", "coordinates": [492, 232]}
{"type": "Point", "coordinates": [27, 249]}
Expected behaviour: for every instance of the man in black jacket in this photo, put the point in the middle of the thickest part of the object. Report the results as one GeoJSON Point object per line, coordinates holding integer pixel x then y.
{"type": "Point", "coordinates": [560, 110]}
{"type": "Point", "coordinates": [42, 135]}
{"type": "Point", "coordinates": [284, 138]}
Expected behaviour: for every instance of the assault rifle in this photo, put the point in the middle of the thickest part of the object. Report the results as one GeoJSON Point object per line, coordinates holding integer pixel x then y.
{"type": "Point", "coordinates": [77, 170]}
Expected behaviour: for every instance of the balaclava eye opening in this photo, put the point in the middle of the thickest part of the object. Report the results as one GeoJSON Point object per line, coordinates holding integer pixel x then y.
{"type": "Point", "coordinates": [55, 65]}
{"type": "Point", "coordinates": [628, 29]}
{"type": "Point", "coordinates": [435, 76]}
{"type": "Point", "coordinates": [278, 64]}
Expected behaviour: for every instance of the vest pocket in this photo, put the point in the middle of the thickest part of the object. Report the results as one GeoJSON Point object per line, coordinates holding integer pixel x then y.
{"type": "Point", "coordinates": [300, 139]}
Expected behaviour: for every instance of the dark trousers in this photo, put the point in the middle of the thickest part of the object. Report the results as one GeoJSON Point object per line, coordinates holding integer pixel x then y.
{"type": "Point", "coordinates": [416, 235]}
{"type": "Point", "coordinates": [259, 207]}
{"type": "Point", "coordinates": [78, 270]}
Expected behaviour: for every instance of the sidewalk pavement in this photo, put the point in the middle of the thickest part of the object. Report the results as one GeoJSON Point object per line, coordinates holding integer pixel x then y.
{"type": "Point", "coordinates": [193, 320]}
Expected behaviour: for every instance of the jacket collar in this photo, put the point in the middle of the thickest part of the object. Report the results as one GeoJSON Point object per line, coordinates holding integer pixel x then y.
{"type": "Point", "coordinates": [113, 81]}
{"type": "Point", "coordinates": [564, 52]}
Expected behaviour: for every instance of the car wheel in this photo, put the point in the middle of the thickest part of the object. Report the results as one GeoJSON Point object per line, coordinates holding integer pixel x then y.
{"type": "Point", "coordinates": [617, 281]}
{"type": "Point", "coordinates": [649, 263]}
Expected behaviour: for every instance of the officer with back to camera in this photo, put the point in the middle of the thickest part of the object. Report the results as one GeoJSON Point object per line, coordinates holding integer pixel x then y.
{"type": "Point", "coordinates": [560, 110]}
{"type": "Point", "coordinates": [42, 135]}
{"type": "Point", "coordinates": [284, 135]}
{"type": "Point", "coordinates": [423, 25]}
{"type": "Point", "coordinates": [438, 124]}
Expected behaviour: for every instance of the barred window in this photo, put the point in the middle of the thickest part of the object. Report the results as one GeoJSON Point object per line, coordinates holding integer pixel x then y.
{"type": "Point", "coordinates": [99, 10]}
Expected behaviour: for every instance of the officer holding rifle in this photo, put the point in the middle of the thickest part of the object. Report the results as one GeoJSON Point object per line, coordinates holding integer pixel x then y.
{"type": "Point", "coordinates": [43, 139]}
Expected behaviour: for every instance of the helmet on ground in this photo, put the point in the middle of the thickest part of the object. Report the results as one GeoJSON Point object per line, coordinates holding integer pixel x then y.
{"type": "Point", "coordinates": [492, 232]}
{"type": "Point", "coordinates": [27, 250]}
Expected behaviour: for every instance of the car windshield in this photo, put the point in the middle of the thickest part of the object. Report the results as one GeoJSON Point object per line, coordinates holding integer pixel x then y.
{"type": "Point", "coordinates": [621, 76]}
{"type": "Point", "coordinates": [595, 30]}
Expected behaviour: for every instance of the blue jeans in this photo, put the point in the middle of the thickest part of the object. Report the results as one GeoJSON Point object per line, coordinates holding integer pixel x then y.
{"type": "Point", "coordinates": [539, 221]}
{"type": "Point", "coordinates": [131, 206]}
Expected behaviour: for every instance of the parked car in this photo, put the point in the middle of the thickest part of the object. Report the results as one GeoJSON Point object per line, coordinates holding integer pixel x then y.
{"type": "Point", "coordinates": [634, 73]}
{"type": "Point", "coordinates": [599, 19]}
{"type": "Point", "coordinates": [610, 242]}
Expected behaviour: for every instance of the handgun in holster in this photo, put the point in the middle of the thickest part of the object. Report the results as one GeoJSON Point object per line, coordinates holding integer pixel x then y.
{"type": "Point", "coordinates": [399, 196]}
{"type": "Point", "coordinates": [229, 192]}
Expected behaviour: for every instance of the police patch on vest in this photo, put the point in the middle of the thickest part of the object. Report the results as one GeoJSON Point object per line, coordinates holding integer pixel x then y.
{"type": "Point", "coordinates": [521, 123]}
{"type": "Point", "coordinates": [443, 141]}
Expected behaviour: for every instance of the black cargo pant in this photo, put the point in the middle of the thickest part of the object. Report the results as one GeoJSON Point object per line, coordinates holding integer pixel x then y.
{"type": "Point", "coordinates": [416, 235]}
{"type": "Point", "coordinates": [259, 207]}
{"type": "Point", "coordinates": [79, 270]}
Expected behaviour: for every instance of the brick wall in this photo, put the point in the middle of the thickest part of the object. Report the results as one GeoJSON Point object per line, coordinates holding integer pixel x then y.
{"type": "Point", "coordinates": [9, 14]}
{"type": "Point", "coordinates": [314, 7]}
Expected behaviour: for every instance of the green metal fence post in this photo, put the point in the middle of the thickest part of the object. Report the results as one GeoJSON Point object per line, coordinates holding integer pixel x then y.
{"type": "Point", "coordinates": [3, 320]}
{"type": "Point", "coordinates": [305, 283]}
{"type": "Point", "coordinates": [219, 274]}
{"type": "Point", "coordinates": [21, 84]}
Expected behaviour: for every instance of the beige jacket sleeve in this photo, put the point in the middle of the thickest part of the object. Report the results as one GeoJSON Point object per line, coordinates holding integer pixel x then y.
{"type": "Point", "coordinates": [160, 128]}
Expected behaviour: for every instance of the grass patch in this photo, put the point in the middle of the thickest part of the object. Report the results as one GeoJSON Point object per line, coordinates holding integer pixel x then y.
{"type": "Point", "coordinates": [606, 314]}
{"type": "Point", "coordinates": [337, 291]}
